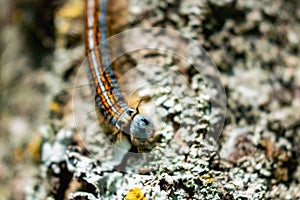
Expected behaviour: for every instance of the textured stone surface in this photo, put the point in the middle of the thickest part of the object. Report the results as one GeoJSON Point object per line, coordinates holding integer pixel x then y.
{"type": "Point", "coordinates": [255, 45]}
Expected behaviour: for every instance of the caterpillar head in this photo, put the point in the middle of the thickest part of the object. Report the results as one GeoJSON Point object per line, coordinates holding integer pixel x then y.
{"type": "Point", "coordinates": [141, 128]}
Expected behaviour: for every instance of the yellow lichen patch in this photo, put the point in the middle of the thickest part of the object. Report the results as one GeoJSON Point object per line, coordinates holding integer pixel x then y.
{"type": "Point", "coordinates": [33, 147]}
{"type": "Point", "coordinates": [208, 179]}
{"type": "Point", "coordinates": [71, 9]}
{"type": "Point", "coordinates": [56, 110]}
{"type": "Point", "coordinates": [67, 21]}
{"type": "Point", "coordinates": [54, 107]}
{"type": "Point", "coordinates": [135, 194]}
{"type": "Point", "coordinates": [30, 151]}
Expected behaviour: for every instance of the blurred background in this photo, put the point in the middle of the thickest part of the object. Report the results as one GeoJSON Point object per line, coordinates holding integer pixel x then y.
{"type": "Point", "coordinates": [26, 45]}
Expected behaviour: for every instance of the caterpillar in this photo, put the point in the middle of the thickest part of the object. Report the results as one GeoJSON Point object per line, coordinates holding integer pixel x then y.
{"type": "Point", "coordinates": [108, 98]}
